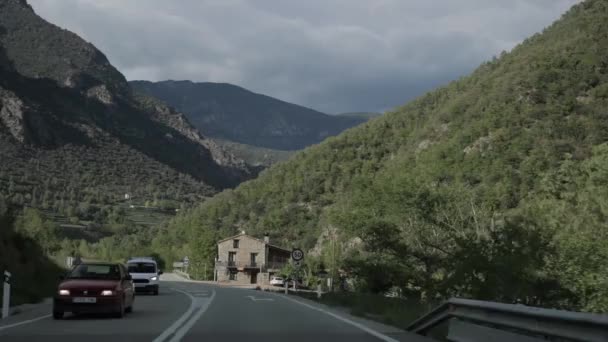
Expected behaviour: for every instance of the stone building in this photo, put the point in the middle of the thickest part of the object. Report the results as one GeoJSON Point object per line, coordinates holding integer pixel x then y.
{"type": "Point", "coordinates": [244, 259]}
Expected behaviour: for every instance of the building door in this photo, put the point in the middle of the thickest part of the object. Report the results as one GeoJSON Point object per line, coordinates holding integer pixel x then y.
{"type": "Point", "coordinates": [254, 277]}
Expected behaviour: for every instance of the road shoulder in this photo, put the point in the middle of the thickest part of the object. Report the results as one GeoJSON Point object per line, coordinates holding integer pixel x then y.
{"type": "Point", "coordinates": [362, 323]}
{"type": "Point", "coordinates": [27, 313]}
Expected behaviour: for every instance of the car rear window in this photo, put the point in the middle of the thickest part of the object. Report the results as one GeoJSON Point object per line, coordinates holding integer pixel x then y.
{"type": "Point", "coordinates": [142, 267]}
{"type": "Point", "coordinates": [84, 271]}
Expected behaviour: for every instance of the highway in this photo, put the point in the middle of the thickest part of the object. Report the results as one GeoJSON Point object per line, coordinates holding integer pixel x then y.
{"type": "Point", "coordinates": [192, 311]}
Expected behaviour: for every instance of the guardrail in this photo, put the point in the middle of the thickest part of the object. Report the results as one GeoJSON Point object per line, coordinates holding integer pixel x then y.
{"type": "Point", "coordinates": [474, 320]}
{"type": "Point", "coordinates": [181, 273]}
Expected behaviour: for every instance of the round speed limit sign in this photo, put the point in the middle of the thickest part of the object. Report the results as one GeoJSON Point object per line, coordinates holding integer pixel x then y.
{"type": "Point", "coordinates": [297, 254]}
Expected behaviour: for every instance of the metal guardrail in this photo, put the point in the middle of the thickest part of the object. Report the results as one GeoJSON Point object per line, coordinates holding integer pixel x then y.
{"type": "Point", "coordinates": [474, 320]}
{"type": "Point", "coordinates": [182, 274]}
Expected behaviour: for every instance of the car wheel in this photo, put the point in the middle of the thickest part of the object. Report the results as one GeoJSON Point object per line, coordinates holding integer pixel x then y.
{"type": "Point", "coordinates": [155, 291]}
{"type": "Point", "coordinates": [57, 315]}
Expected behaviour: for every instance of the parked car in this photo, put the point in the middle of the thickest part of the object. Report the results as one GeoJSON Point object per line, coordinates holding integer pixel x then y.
{"type": "Point", "coordinates": [277, 281]}
{"type": "Point", "coordinates": [95, 288]}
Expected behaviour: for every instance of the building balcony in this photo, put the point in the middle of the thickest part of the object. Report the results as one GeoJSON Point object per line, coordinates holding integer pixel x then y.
{"type": "Point", "coordinates": [229, 264]}
{"type": "Point", "coordinates": [270, 266]}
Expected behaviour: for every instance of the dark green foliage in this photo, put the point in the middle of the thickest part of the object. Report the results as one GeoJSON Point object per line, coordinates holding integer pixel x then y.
{"type": "Point", "coordinates": [229, 112]}
{"type": "Point", "coordinates": [34, 275]}
{"type": "Point", "coordinates": [456, 193]}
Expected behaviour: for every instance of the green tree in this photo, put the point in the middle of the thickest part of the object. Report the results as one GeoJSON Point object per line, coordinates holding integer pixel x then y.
{"type": "Point", "coordinates": [32, 224]}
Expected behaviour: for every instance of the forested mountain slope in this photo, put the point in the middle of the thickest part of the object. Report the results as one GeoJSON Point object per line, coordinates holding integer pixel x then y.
{"type": "Point", "coordinates": [228, 112]}
{"type": "Point", "coordinates": [491, 187]}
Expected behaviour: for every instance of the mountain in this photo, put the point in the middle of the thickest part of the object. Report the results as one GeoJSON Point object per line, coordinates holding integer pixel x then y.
{"type": "Point", "coordinates": [361, 115]}
{"type": "Point", "coordinates": [72, 131]}
{"type": "Point", "coordinates": [228, 112]}
{"type": "Point", "coordinates": [491, 187]}
{"type": "Point", "coordinates": [255, 156]}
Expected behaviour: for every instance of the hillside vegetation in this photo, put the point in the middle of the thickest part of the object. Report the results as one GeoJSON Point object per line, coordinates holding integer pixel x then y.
{"type": "Point", "coordinates": [492, 187]}
{"type": "Point", "coordinates": [34, 275]}
{"type": "Point", "coordinates": [253, 155]}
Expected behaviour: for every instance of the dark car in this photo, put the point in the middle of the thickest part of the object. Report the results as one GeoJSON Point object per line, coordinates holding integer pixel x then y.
{"type": "Point", "coordinates": [95, 288]}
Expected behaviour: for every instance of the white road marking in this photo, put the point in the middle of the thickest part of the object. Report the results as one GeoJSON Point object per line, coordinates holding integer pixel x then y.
{"type": "Point", "coordinates": [170, 330]}
{"type": "Point", "coordinates": [259, 299]}
{"type": "Point", "coordinates": [345, 320]}
{"type": "Point", "coordinates": [186, 327]}
{"type": "Point", "coordinates": [24, 322]}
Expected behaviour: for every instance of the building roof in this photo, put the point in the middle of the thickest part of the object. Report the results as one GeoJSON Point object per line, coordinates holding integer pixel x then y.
{"type": "Point", "coordinates": [254, 238]}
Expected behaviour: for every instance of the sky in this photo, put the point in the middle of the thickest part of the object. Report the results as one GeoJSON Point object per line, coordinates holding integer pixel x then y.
{"type": "Point", "coordinates": [331, 55]}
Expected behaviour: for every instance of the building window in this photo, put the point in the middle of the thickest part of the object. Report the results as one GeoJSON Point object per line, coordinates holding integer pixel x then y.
{"type": "Point", "coordinates": [231, 258]}
{"type": "Point", "coordinates": [232, 276]}
{"type": "Point", "coordinates": [235, 243]}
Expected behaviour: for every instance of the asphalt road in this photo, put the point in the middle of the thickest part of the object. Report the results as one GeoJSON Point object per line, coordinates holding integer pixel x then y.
{"type": "Point", "coordinates": [190, 311]}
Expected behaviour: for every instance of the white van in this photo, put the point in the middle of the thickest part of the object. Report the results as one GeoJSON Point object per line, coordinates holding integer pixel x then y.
{"type": "Point", "coordinates": [145, 274]}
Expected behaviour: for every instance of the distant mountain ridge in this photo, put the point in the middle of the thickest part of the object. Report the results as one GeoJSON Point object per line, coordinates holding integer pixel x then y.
{"type": "Point", "coordinates": [363, 115]}
{"type": "Point", "coordinates": [229, 112]}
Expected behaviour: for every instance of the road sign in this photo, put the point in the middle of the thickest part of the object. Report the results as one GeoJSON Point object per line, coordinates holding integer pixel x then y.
{"type": "Point", "coordinates": [186, 261]}
{"type": "Point", "coordinates": [297, 254]}
{"type": "Point", "coordinates": [297, 263]}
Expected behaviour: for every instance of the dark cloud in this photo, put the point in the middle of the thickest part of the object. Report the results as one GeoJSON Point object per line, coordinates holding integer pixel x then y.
{"type": "Point", "coordinates": [334, 56]}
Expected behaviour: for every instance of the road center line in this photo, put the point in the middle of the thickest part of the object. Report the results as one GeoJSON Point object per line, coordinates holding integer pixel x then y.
{"type": "Point", "coordinates": [259, 299]}
{"type": "Point", "coordinates": [2, 327]}
{"type": "Point", "coordinates": [171, 329]}
{"type": "Point", "coordinates": [186, 327]}
{"type": "Point", "coordinates": [345, 320]}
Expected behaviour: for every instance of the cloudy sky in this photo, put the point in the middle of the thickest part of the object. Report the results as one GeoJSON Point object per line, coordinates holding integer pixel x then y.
{"type": "Point", "coordinates": [331, 55]}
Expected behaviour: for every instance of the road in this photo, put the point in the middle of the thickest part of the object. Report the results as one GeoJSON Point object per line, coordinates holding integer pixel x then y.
{"type": "Point", "coordinates": [190, 311]}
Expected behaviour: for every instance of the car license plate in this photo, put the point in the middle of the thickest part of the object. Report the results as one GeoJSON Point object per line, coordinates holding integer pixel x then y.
{"type": "Point", "coordinates": [85, 300]}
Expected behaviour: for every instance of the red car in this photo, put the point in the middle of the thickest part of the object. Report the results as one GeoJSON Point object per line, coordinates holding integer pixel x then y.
{"type": "Point", "coordinates": [95, 288]}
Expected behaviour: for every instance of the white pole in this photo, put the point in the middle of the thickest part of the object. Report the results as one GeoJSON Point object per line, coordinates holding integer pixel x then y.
{"type": "Point", "coordinates": [286, 287]}
{"type": "Point", "coordinates": [6, 294]}
{"type": "Point", "coordinates": [319, 290]}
